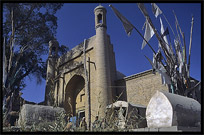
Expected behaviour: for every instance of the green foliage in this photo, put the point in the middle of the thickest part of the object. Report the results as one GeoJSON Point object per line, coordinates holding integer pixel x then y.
{"type": "Point", "coordinates": [27, 28]}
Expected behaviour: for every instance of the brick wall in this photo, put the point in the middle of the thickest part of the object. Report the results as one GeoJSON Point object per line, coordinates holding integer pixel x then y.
{"type": "Point", "coordinates": [142, 86]}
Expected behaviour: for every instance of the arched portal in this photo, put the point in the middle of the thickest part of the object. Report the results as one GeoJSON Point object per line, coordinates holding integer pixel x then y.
{"type": "Point", "coordinates": [75, 96]}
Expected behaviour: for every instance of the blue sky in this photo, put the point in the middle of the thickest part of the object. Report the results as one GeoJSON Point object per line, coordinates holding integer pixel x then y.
{"type": "Point", "coordinates": [76, 23]}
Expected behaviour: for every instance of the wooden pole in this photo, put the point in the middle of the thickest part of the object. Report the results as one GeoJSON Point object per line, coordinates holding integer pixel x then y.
{"type": "Point", "coordinates": [190, 47]}
{"type": "Point", "coordinates": [88, 97]}
{"type": "Point", "coordinates": [86, 89]}
{"type": "Point", "coordinates": [169, 25]}
{"type": "Point", "coordinates": [4, 62]}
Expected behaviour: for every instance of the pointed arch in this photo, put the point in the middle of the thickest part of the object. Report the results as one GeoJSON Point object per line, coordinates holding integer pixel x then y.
{"type": "Point", "coordinates": [74, 89]}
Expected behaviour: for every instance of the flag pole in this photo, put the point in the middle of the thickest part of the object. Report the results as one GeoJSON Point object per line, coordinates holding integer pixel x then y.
{"type": "Point", "coordinates": [160, 40]}
{"type": "Point", "coordinates": [190, 46]}
{"type": "Point", "coordinates": [157, 35]}
{"type": "Point", "coordinates": [128, 28]}
{"type": "Point", "coordinates": [169, 24]}
{"type": "Point", "coordinates": [122, 19]}
{"type": "Point", "coordinates": [151, 48]}
{"type": "Point", "coordinates": [155, 7]}
{"type": "Point", "coordinates": [177, 25]}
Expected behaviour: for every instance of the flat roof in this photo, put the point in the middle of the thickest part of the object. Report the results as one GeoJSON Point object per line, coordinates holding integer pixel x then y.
{"type": "Point", "coordinates": [138, 75]}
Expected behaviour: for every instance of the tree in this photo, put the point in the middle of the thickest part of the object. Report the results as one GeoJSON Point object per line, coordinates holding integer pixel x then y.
{"type": "Point", "coordinates": [27, 29]}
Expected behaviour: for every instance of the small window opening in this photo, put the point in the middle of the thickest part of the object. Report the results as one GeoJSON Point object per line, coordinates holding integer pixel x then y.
{"type": "Point", "coordinates": [99, 18]}
{"type": "Point", "coordinates": [53, 50]}
{"type": "Point", "coordinates": [81, 97]}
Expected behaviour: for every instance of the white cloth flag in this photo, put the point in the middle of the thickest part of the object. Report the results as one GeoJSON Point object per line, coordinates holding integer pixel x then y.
{"type": "Point", "coordinates": [162, 71]}
{"type": "Point", "coordinates": [156, 10]}
{"type": "Point", "coordinates": [164, 37]}
{"type": "Point", "coordinates": [162, 31]}
{"type": "Point", "coordinates": [148, 34]}
{"type": "Point", "coordinates": [179, 56]}
{"type": "Point", "coordinates": [165, 78]}
{"type": "Point", "coordinates": [154, 62]}
{"type": "Point", "coordinates": [180, 61]}
{"type": "Point", "coordinates": [126, 24]}
{"type": "Point", "coordinates": [181, 67]}
{"type": "Point", "coordinates": [143, 9]}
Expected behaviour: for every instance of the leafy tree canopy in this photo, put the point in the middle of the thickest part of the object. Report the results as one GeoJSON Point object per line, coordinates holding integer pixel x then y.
{"type": "Point", "coordinates": [27, 29]}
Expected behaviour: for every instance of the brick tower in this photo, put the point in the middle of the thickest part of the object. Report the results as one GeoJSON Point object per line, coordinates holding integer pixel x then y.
{"type": "Point", "coordinates": [102, 63]}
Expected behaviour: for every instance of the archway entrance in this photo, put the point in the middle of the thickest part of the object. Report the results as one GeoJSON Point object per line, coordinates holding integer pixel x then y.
{"type": "Point", "coordinates": [75, 97]}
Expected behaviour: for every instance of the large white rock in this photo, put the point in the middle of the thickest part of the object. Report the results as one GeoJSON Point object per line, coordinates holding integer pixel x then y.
{"type": "Point", "coordinates": [167, 109]}
{"type": "Point", "coordinates": [31, 114]}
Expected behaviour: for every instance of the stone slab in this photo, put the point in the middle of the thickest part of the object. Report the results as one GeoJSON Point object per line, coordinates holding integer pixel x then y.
{"type": "Point", "coordinates": [168, 110]}
{"type": "Point", "coordinates": [31, 114]}
{"type": "Point", "coordinates": [168, 129]}
{"type": "Point", "coordinates": [153, 130]}
{"type": "Point", "coordinates": [141, 129]}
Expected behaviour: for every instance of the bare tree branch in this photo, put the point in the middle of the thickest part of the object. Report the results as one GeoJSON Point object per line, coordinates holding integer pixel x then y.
{"type": "Point", "coordinates": [11, 41]}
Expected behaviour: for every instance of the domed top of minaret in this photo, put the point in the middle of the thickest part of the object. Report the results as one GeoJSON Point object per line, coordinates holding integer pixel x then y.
{"type": "Point", "coordinates": [100, 16]}
{"type": "Point", "coordinates": [99, 7]}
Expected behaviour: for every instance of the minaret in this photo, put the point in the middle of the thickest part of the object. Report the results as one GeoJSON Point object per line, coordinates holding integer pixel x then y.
{"type": "Point", "coordinates": [51, 63]}
{"type": "Point", "coordinates": [102, 63]}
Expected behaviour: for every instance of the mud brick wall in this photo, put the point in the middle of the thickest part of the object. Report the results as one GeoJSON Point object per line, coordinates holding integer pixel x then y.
{"type": "Point", "coordinates": [142, 86]}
